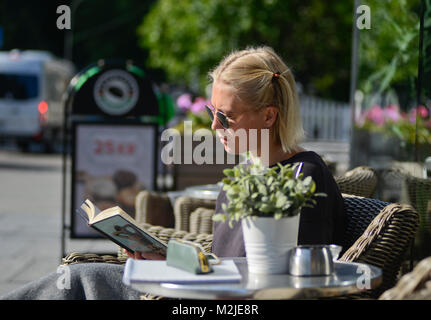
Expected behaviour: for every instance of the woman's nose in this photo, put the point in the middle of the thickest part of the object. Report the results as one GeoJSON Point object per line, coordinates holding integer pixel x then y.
{"type": "Point", "coordinates": [216, 124]}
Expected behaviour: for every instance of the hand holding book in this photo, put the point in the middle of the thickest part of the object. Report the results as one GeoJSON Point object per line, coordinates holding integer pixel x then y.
{"type": "Point", "coordinates": [144, 255]}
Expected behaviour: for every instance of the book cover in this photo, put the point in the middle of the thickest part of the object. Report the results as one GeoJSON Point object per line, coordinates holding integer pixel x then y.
{"type": "Point", "coordinates": [121, 229]}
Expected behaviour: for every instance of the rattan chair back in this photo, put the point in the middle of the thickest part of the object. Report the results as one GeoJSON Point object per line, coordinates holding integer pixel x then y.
{"type": "Point", "coordinates": [201, 220]}
{"type": "Point", "coordinates": [154, 208]}
{"type": "Point", "coordinates": [360, 212]}
{"type": "Point", "coordinates": [360, 181]}
{"type": "Point", "coordinates": [419, 194]}
{"type": "Point", "coordinates": [184, 206]}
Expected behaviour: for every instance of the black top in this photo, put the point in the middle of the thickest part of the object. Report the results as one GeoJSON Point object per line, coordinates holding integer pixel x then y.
{"type": "Point", "coordinates": [323, 224]}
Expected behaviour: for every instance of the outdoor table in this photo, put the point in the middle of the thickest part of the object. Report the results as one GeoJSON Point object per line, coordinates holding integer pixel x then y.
{"type": "Point", "coordinates": [207, 191]}
{"type": "Point", "coordinates": [347, 278]}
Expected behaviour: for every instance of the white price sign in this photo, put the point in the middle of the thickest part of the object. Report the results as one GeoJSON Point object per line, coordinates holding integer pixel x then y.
{"type": "Point", "coordinates": [112, 163]}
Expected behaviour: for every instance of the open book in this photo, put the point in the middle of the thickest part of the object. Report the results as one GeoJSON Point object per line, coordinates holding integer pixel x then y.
{"type": "Point", "coordinates": [121, 228]}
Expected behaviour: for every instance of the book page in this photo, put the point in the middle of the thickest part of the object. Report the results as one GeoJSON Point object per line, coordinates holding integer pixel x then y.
{"type": "Point", "coordinates": [87, 210]}
{"type": "Point", "coordinates": [101, 215]}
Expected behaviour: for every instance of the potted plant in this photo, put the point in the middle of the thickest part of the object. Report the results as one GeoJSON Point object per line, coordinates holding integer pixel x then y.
{"type": "Point", "coordinates": [268, 201]}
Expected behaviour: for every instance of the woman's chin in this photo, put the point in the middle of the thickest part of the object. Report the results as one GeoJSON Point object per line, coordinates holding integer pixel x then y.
{"type": "Point", "coordinates": [229, 150]}
{"type": "Point", "coordinates": [234, 149]}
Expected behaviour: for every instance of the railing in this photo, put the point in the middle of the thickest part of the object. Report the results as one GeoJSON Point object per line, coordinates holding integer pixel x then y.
{"type": "Point", "coordinates": [325, 119]}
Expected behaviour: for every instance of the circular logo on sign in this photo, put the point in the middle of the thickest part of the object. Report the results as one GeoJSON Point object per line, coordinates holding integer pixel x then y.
{"type": "Point", "coordinates": [116, 92]}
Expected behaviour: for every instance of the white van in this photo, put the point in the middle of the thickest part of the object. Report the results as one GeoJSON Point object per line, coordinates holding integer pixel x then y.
{"type": "Point", "coordinates": [32, 84]}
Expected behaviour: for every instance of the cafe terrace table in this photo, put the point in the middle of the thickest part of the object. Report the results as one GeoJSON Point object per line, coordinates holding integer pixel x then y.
{"type": "Point", "coordinates": [347, 278]}
{"type": "Point", "coordinates": [205, 191]}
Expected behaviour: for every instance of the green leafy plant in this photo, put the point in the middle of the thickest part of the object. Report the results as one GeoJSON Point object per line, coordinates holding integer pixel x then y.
{"type": "Point", "coordinates": [258, 191]}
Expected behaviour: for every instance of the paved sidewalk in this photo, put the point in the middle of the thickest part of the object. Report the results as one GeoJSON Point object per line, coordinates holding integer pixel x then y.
{"type": "Point", "coordinates": [30, 219]}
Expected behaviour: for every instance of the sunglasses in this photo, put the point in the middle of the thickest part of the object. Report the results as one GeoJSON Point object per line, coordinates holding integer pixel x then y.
{"type": "Point", "coordinates": [221, 117]}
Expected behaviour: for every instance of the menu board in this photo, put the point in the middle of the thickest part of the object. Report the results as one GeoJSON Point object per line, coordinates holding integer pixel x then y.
{"type": "Point", "coordinates": [111, 164]}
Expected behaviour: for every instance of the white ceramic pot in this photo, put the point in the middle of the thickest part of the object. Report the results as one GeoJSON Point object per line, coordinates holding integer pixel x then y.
{"type": "Point", "coordinates": [267, 242]}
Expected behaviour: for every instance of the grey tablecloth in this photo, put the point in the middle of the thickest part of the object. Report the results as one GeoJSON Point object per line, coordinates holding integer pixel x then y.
{"type": "Point", "coordinates": [90, 281]}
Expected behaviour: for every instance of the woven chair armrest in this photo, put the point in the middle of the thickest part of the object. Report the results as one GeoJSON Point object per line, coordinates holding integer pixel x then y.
{"type": "Point", "coordinates": [76, 257]}
{"type": "Point", "coordinates": [415, 285]}
{"type": "Point", "coordinates": [385, 242]}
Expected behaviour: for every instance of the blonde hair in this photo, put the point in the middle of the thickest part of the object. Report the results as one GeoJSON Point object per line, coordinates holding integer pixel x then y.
{"type": "Point", "coordinates": [253, 74]}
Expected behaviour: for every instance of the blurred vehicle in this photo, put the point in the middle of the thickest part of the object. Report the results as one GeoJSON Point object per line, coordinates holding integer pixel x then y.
{"type": "Point", "coordinates": [32, 84]}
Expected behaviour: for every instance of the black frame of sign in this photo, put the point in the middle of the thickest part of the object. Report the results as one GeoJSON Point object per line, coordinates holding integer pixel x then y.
{"type": "Point", "coordinates": [74, 126]}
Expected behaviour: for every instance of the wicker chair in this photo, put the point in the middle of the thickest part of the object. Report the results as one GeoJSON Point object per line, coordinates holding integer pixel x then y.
{"type": "Point", "coordinates": [360, 181]}
{"type": "Point", "coordinates": [415, 191]}
{"type": "Point", "coordinates": [415, 285]}
{"type": "Point", "coordinates": [419, 196]}
{"type": "Point", "coordinates": [201, 220]}
{"type": "Point", "coordinates": [184, 206]}
{"type": "Point", "coordinates": [154, 208]}
{"type": "Point", "coordinates": [378, 233]}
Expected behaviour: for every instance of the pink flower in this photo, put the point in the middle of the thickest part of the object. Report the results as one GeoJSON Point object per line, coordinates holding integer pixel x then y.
{"type": "Point", "coordinates": [376, 115]}
{"type": "Point", "coordinates": [423, 111]}
{"type": "Point", "coordinates": [392, 113]}
{"type": "Point", "coordinates": [184, 101]}
{"type": "Point", "coordinates": [198, 105]}
{"type": "Point", "coordinates": [412, 115]}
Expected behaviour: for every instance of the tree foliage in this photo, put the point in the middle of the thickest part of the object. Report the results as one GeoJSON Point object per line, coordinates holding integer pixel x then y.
{"type": "Point", "coordinates": [100, 29]}
{"type": "Point", "coordinates": [187, 38]}
{"type": "Point", "coordinates": [389, 50]}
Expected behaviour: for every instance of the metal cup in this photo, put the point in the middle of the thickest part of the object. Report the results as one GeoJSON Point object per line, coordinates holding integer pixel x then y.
{"type": "Point", "coordinates": [310, 260]}
{"type": "Point", "coordinates": [335, 250]}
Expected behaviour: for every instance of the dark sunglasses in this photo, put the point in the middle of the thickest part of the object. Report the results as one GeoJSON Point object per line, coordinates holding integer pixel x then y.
{"type": "Point", "coordinates": [221, 117]}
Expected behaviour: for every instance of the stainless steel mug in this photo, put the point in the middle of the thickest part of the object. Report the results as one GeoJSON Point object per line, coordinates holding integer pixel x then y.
{"type": "Point", "coordinates": [310, 260]}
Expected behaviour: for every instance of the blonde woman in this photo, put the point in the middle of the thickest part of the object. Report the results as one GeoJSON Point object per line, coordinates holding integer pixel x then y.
{"type": "Point", "coordinates": [254, 90]}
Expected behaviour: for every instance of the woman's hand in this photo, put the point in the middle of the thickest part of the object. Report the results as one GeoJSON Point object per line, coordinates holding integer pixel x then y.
{"type": "Point", "coordinates": [136, 255]}
{"type": "Point", "coordinates": [144, 255]}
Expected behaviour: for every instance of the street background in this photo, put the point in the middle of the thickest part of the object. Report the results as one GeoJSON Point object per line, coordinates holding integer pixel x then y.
{"type": "Point", "coordinates": [362, 100]}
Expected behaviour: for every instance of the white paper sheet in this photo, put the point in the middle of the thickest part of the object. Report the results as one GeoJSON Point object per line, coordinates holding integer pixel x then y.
{"type": "Point", "coordinates": [158, 271]}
